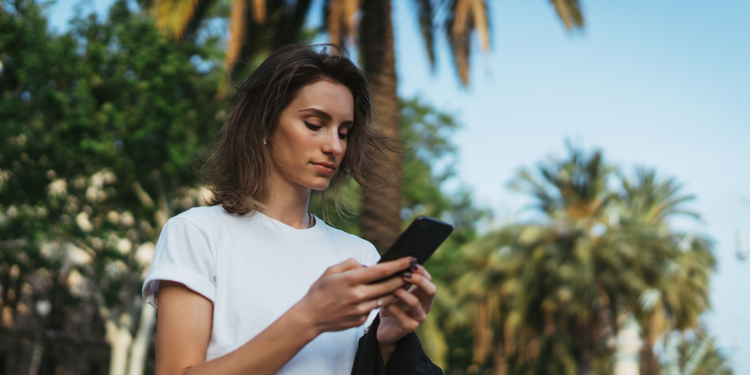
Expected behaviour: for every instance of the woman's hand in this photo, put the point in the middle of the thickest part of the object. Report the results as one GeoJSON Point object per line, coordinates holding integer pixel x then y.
{"type": "Point", "coordinates": [343, 296]}
{"type": "Point", "coordinates": [402, 316]}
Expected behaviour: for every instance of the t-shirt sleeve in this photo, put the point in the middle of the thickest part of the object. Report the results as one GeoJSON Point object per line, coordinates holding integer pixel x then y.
{"type": "Point", "coordinates": [183, 254]}
{"type": "Point", "coordinates": [372, 254]}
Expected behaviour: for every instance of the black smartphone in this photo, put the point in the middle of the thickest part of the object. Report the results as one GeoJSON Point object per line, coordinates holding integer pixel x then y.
{"type": "Point", "coordinates": [419, 240]}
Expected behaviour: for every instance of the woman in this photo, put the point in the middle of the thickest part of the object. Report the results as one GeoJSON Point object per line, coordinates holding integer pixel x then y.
{"type": "Point", "coordinates": [256, 284]}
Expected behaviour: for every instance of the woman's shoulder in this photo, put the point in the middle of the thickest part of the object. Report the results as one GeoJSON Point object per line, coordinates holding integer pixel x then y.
{"type": "Point", "coordinates": [198, 214]}
{"type": "Point", "coordinates": [204, 218]}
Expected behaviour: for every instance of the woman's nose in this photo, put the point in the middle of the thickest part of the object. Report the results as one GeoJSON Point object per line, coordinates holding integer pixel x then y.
{"type": "Point", "coordinates": [333, 144]}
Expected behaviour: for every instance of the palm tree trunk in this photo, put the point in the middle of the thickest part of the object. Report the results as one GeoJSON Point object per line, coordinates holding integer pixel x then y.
{"type": "Point", "coordinates": [585, 352]}
{"type": "Point", "coordinates": [584, 362]}
{"type": "Point", "coordinates": [501, 356]}
{"type": "Point", "coordinates": [648, 362]}
{"type": "Point", "coordinates": [380, 217]}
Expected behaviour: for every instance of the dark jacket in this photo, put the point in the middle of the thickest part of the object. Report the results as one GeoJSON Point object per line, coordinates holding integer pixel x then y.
{"type": "Point", "coordinates": [407, 359]}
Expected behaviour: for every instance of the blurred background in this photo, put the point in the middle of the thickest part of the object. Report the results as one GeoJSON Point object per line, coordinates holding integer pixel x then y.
{"type": "Point", "coordinates": [593, 157]}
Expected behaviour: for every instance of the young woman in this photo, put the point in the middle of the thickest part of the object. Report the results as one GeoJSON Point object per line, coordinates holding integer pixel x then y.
{"type": "Point", "coordinates": [256, 284]}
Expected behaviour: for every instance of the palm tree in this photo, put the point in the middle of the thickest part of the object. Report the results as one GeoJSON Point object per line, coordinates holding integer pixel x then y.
{"type": "Point", "coordinates": [553, 290]}
{"type": "Point", "coordinates": [679, 291]}
{"type": "Point", "coordinates": [573, 195]}
{"type": "Point", "coordinates": [268, 24]}
{"type": "Point", "coordinates": [533, 285]}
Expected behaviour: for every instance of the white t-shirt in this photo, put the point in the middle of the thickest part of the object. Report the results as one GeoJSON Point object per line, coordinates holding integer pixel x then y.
{"type": "Point", "coordinates": [254, 268]}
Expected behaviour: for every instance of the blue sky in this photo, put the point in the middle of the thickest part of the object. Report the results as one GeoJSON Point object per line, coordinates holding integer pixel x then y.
{"type": "Point", "coordinates": [653, 83]}
{"type": "Point", "coordinates": [658, 83]}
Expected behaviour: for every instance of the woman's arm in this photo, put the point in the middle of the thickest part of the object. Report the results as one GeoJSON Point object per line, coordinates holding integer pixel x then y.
{"type": "Point", "coordinates": [184, 329]}
{"type": "Point", "coordinates": [340, 299]}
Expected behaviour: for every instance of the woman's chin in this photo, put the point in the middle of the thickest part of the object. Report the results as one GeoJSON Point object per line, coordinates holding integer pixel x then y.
{"type": "Point", "coordinates": [320, 185]}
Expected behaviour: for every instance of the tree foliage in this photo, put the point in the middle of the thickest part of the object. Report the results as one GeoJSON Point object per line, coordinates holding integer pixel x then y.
{"type": "Point", "coordinates": [99, 126]}
{"type": "Point", "coordinates": [546, 296]}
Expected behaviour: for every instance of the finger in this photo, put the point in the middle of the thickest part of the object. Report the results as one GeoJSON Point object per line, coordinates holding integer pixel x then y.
{"type": "Point", "coordinates": [423, 272]}
{"type": "Point", "coordinates": [423, 283]}
{"type": "Point", "coordinates": [347, 265]}
{"type": "Point", "coordinates": [373, 304]}
{"type": "Point", "coordinates": [424, 290]}
{"type": "Point", "coordinates": [408, 299]}
{"type": "Point", "coordinates": [399, 303]}
{"type": "Point", "coordinates": [406, 323]}
{"type": "Point", "coordinates": [416, 311]}
{"type": "Point", "coordinates": [372, 291]}
{"type": "Point", "coordinates": [380, 271]}
{"type": "Point", "coordinates": [387, 300]}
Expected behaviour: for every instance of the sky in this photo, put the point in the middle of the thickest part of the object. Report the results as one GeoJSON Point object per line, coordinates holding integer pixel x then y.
{"type": "Point", "coordinates": [655, 83]}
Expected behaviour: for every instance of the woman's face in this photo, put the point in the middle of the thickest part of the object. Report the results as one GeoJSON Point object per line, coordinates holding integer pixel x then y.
{"type": "Point", "coordinates": [310, 139]}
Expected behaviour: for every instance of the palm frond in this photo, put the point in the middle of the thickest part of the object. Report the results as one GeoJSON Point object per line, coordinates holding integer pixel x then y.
{"type": "Point", "coordinates": [653, 199]}
{"type": "Point", "coordinates": [466, 17]}
{"type": "Point", "coordinates": [341, 20]}
{"type": "Point", "coordinates": [174, 16]}
{"type": "Point", "coordinates": [335, 10]}
{"type": "Point", "coordinates": [569, 12]}
{"type": "Point", "coordinates": [259, 11]}
{"type": "Point", "coordinates": [481, 23]}
{"type": "Point", "coordinates": [426, 15]}
{"type": "Point", "coordinates": [237, 29]}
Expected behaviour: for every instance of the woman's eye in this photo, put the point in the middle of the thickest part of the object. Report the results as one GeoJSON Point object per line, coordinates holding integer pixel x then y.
{"type": "Point", "coordinates": [312, 126]}
{"type": "Point", "coordinates": [342, 135]}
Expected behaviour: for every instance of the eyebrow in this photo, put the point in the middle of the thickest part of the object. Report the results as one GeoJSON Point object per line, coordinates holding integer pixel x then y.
{"type": "Point", "coordinates": [324, 115]}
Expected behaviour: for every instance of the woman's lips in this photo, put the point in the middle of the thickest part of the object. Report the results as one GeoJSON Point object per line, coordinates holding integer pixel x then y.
{"type": "Point", "coordinates": [325, 167]}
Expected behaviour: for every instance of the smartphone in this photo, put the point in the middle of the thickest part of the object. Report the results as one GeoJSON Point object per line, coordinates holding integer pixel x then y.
{"type": "Point", "coordinates": [423, 236]}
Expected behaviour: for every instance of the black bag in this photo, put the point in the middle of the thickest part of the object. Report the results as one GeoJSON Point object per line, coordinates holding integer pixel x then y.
{"type": "Point", "coordinates": [408, 358]}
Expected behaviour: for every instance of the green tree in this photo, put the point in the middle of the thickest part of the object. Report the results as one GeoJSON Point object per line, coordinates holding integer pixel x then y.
{"type": "Point", "coordinates": [99, 127]}
{"type": "Point", "coordinates": [546, 296]}
{"type": "Point", "coordinates": [677, 293]}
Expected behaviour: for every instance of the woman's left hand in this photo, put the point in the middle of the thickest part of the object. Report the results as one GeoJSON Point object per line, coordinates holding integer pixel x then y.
{"type": "Point", "coordinates": [405, 313]}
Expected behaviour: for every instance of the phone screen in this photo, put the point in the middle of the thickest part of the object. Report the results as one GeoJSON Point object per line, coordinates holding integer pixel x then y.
{"type": "Point", "coordinates": [420, 240]}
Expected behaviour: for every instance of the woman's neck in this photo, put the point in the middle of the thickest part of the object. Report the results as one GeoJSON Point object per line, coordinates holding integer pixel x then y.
{"type": "Point", "coordinates": [288, 204]}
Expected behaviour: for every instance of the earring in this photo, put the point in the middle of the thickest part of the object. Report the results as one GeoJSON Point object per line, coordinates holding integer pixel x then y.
{"type": "Point", "coordinates": [264, 140]}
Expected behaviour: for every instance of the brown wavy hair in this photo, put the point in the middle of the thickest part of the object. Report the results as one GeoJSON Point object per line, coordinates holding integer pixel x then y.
{"type": "Point", "coordinates": [237, 166]}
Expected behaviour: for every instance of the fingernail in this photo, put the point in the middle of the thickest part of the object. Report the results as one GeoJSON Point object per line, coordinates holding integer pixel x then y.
{"type": "Point", "coordinates": [408, 275]}
{"type": "Point", "coordinates": [413, 264]}
{"type": "Point", "coordinates": [406, 286]}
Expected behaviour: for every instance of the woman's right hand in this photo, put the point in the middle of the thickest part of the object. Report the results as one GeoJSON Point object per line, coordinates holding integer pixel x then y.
{"type": "Point", "coordinates": [343, 296]}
